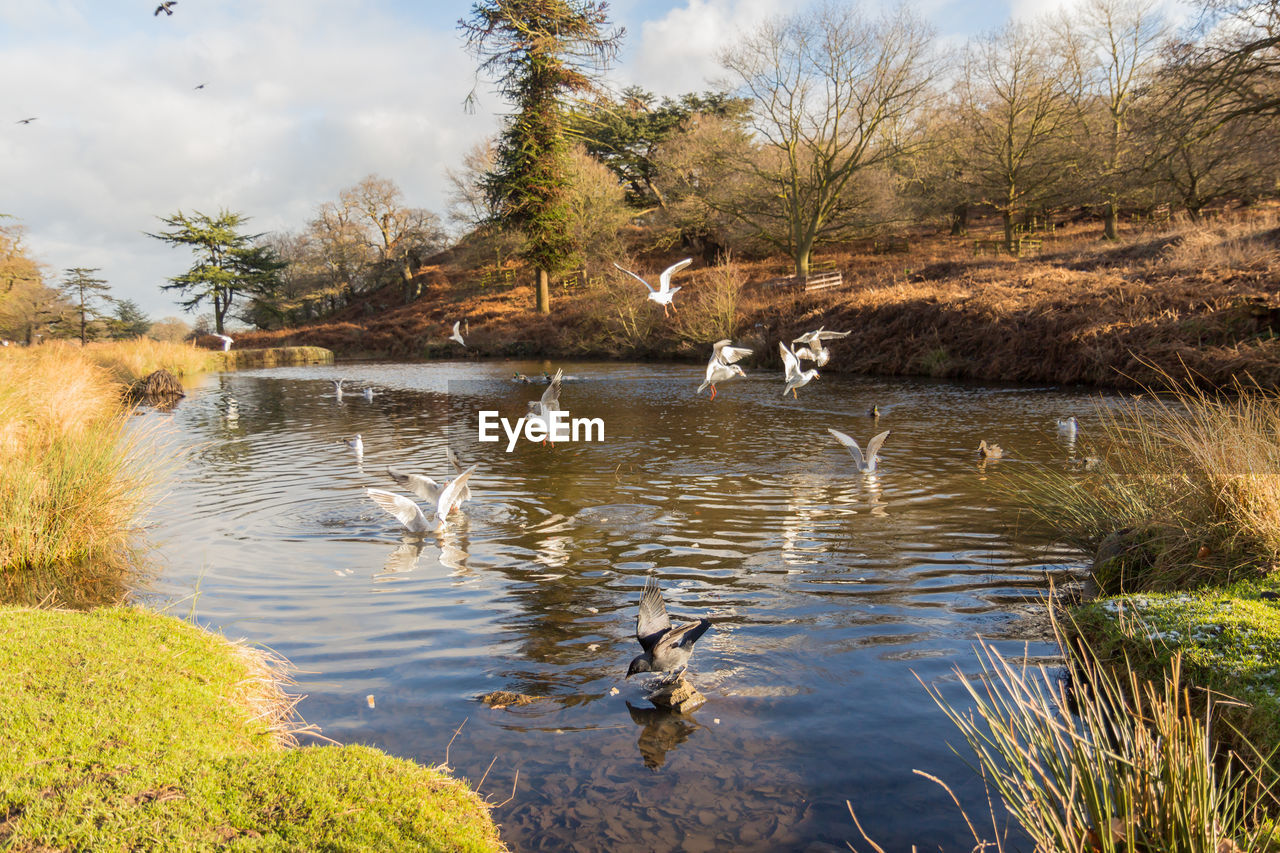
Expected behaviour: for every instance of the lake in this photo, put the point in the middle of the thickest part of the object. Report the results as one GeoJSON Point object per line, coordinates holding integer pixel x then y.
{"type": "Point", "coordinates": [830, 593]}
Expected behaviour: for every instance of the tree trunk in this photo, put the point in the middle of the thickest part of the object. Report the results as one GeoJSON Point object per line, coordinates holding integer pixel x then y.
{"type": "Point", "coordinates": [1007, 216]}
{"type": "Point", "coordinates": [544, 292]}
{"type": "Point", "coordinates": [1110, 221]}
{"type": "Point", "coordinates": [803, 256]}
{"type": "Point", "coordinates": [959, 220]}
{"type": "Point", "coordinates": [218, 311]}
{"type": "Point", "coordinates": [410, 287]}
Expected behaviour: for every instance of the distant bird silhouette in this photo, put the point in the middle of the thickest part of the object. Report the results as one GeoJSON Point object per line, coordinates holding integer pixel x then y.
{"type": "Point", "coordinates": [26, 120]}
{"type": "Point", "coordinates": [866, 465]}
{"type": "Point", "coordinates": [165, 6]}
{"type": "Point", "coordinates": [201, 86]}
{"type": "Point", "coordinates": [666, 649]}
{"type": "Point", "coordinates": [990, 451]}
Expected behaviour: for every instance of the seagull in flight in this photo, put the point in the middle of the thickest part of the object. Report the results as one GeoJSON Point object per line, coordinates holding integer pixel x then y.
{"type": "Point", "coordinates": [665, 292]}
{"type": "Point", "coordinates": [796, 378]}
{"type": "Point", "coordinates": [165, 6]}
{"type": "Point", "coordinates": [722, 367]}
{"type": "Point", "coordinates": [666, 649]}
{"type": "Point", "coordinates": [411, 515]}
{"type": "Point", "coordinates": [201, 86]}
{"type": "Point", "coordinates": [427, 488]}
{"type": "Point", "coordinates": [226, 341]}
{"type": "Point", "coordinates": [540, 410]}
{"type": "Point", "coordinates": [867, 465]}
{"type": "Point", "coordinates": [457, 335]}
{"type": "Point", "coordinates": [811, 345]}
{"type": "Point", "coordinates": [26, 120]}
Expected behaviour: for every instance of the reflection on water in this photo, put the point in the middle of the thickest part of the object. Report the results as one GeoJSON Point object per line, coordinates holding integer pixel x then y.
{"type": "Point", "coordinates": [829, 591]}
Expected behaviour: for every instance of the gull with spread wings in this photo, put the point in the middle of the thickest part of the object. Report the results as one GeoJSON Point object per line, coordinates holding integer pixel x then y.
{"type": "Point", "coordinates": [811, 345]}
{"type": "Point", "coordinates": [411, 515]}
{"type": "Point", "coordinates": [796, 378]}
{"type": "Point", "coordinates": [666, 649]}
{"type": "Point", "coordinates": [722, 367]}
{"type": "Point", "coordinates": [865, 465]}
{"type": "Point", "coordinates": [540, 410]}
{"type": "Point", "coordinates": [665, 292]}
{"type": "Point", "coordinates": [427, 488]}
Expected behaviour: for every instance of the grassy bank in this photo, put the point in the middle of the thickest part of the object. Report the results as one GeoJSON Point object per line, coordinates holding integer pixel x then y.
{"type": "Point", "coordinates": [243, 359]}
{"type": "Point", "coordinates": [1084, 310]}
{"type": "Point", "coordinates": [128, 730]}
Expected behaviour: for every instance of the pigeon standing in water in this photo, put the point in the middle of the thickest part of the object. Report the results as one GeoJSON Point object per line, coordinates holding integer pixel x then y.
{"type": "Point", "coordinates": [666, 649]}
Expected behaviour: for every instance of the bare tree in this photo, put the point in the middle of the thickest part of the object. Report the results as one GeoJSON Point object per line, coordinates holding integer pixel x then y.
{"type": "Point", "coordinates": [1018, 97]}
{"type": "Point", "coordinates": [1117, 45]}
{"type": "Point", "coordinates": [399, 235]}
{"type": "Point", "coordinates": [833, 97]}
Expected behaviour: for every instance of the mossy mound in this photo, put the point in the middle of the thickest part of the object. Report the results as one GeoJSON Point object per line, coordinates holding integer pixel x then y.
{"type": "Point", "coordinates": [1228, 638]}
{"type": "Point", "coordinates": [130, 730]}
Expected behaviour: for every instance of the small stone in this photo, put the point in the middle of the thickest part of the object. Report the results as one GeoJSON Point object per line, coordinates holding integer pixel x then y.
{"type": "Point", "coordinates": [613, 691]}
{"type": "Point", "coordinates": [679, 696]}
{"type": "Point", "coordinates": [500, 699]}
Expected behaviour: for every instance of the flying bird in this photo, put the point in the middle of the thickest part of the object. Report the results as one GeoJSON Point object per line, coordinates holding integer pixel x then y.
{"type": "Point", "coordinates": [990, 451]}
{"type": "Point", "coordinates": [201, 86]}
{"type": "Point", "coordinates": [337, 387]}
{"type": "Point", "coordinates": [226, 341]}
{"type": "Point", "coordinates": [165, 6]}
{"type": "Point", "coordinates": [540, 410]}
{"type": "Point", "coordinates": [427, 488]}
{"type": "Point", "coordinates": [411, 515]}
{"type": "Point", "coordinates": [457, 335]}
{"type": "Point", "coordinates": [722, 367]}
{"type": "Point", "coordinates": [796, 378]}
{"type": "Point", "coordinates": [666, 649]}
{"type": "Point", "coordinates": [811, 345]}
{"type": "Point", "coordinates": [665, 292]}
{"type": "Point", "coordinates": [26, 120]}
{"type": "Point", "coordinates": [866, 465]}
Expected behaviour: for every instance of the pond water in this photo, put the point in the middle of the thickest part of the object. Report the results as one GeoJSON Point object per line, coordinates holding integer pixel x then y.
{"type": "Point", "coordinates": [830, 593]}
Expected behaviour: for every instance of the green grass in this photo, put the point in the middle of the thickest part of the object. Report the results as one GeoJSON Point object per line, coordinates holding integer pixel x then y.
{"type": "Point", "coordinates": [125, 729]}
{"type": "Point", "coordinates": [1228, 639]}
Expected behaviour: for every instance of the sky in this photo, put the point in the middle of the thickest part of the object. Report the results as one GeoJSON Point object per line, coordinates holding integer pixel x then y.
{"type": "Point", "coordinates": [300, 99]}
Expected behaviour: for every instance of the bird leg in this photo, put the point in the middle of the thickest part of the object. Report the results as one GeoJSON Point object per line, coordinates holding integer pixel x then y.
{"type": "Point", "coordinates": [713, 392]}
{"type": "Point", "coordinates": [794, 394]}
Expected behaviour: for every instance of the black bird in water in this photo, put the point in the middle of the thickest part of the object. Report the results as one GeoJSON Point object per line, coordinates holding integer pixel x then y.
{"type": "Point", "coordinates": [666, 649]}
{"type": "Point", "coordinates": [26, 120]}
{"type": "Point", "coordinates": [166, 6]}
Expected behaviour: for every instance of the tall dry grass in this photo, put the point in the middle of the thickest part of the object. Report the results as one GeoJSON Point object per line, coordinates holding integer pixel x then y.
{"type": "Point", "coordinates": [71, 481]}
{"type": "Point", "coordinates": [1191, 476]}
{"type": "Point", "coordinates": [130, 360]}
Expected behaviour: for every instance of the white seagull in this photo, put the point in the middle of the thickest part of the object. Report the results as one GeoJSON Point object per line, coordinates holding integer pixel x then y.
{"type": "Point", "coordinates": [811, 345]}
{"type": "Point", "coordinates": [721, 367]}
{"type": "Point", "coordinates": [665, 292]}
{"type": "Point", "coordinates": [368, 394]}
{"type": "Point", "coordinates": [356, 444]}
{"type": "Point", "coordinates": [457, 335]}
{"type": "Point", "coordinates": [411, 515]}
{"type": "Point", "coordinates": [540, 410]}
{"type": "Point", "coordinates": [337, 388]}
{"type": "Point", "coordinates": [867, 465]}
{"type": "Point", "coordinates": [796, 378]}
{"type": "Point", "coordinates": [427, 488]}
{"type": "Point", "coordinates": [226, 341]}
{"type": "Point", "coordinates": [1068, 426]}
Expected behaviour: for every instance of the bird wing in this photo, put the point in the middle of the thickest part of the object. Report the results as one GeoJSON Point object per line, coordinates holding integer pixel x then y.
{"type": "Point", "coordinates": [832, 336]}
{"type": "Point", "coordinates": [551, 396]}
{"type": "Point", "coordinates": [637, 278]}
{"type": "Point", "coordinates": [852, 446]}
{"type": "Point", "coordinates": [405, 511]}
{"type": "Point", "coordinates": [664, 280]}
{"type": "Point", "coordinates": [451, 494]}
{"type": "Point", "coordinates": [789, 361]}
{"type": "Point", "coordinates": [420, 484]}
{"type": "Point", "coordinates": [684, 636]}
{"type": "Point", "coordinates": [653, 620]}
{"type": "Point", "coordinates": [810, 350]}
{"type": "Point", "coordinates": [808, 337]}
{"type": "Point", "coordinates": [456, 324]}
{"type": "Point", "coordinates": [729, 354]}
{"type": "Point", "coordinates": [873, 447]}
{"type": "Point", "coordinates": [453, 459]}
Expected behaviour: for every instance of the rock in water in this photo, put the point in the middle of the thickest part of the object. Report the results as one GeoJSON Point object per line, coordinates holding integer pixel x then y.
{"type": "Point", "coordinates": [679, 696]}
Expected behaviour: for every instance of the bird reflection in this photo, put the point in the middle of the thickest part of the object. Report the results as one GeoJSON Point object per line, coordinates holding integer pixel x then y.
{"type": "Point", "coordinates": [402, 560]}
{"type": "Point", "coordinates": [662, 732]}
{"type": "Point", "coordinates": [453, 552]}
{"type": "Point", "coordinates": [875, 495]}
